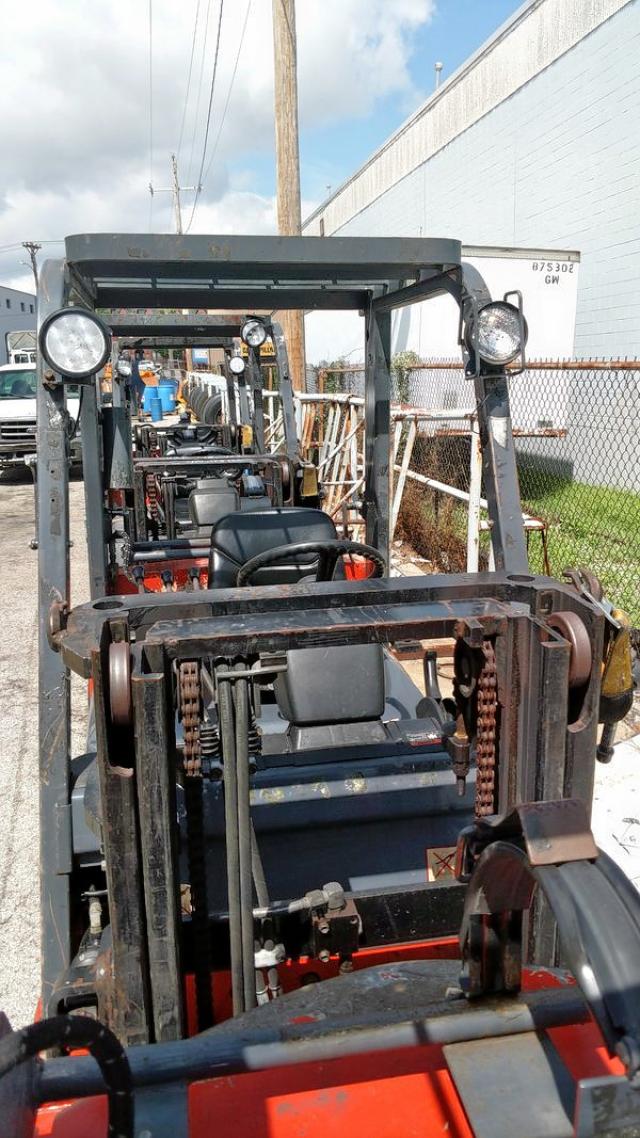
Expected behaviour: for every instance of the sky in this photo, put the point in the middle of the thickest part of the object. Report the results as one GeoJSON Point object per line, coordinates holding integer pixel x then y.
{"type": "Point", "coordinates": [81, 139]}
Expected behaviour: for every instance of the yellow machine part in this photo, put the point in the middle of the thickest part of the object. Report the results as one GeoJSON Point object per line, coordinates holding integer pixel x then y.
{"type": "Point", "coordinates": [617, 676]}
{"type": "Point", "coordinates": [247, 435]}
{"type": "Point", "coordinates": [309, 481]}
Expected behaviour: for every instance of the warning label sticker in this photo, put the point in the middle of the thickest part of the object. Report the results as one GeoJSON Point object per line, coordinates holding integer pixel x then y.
{"type": "Point", "coordinates": [441, 862]}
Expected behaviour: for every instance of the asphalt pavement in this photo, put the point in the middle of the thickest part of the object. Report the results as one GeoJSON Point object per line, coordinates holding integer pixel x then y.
{"type": "Point", "coordinates": [19, 820]}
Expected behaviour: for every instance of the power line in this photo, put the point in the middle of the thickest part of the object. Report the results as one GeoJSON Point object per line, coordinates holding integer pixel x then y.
{"type": "Point", "coordinates": [150, 113]}
{"type": "Point", "coordinates": [19, 244]}
{"type": "Point", "coordinates": [233, 76]}
{"type": "Point", "coordinates": [195, 120]}
{"type": "Point", "coordinates": [206, 133]}
{"type": "Point", "coordinates": [186, 98]}
{"type": "Point", "coordinates": [33, 248]}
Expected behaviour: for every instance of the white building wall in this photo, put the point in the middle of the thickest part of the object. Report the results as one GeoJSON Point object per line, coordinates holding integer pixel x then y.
{"type": "Point", "coordinates": [555, 164]}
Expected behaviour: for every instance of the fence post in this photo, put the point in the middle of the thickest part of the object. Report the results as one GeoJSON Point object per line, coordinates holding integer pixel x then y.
{"type": "Point", "coordinates": [402, 477]}
{"type": "Point", "coordinates": [475, 483]}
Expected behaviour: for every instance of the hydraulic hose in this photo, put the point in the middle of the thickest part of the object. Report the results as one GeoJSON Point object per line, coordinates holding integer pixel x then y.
{"type": "Point", "coordinates": [259, 879]}
{"type": "Point", "coordinates": [245, 851]}
{"type": "Point", "coordinates": [194, 801]}
{"type": "Point", "coordinates": [75, 1032]}
{"type": "Point", "coordinates": [228, 739]}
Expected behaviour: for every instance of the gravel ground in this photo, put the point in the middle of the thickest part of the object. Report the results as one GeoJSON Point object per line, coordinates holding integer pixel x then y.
{"type": "Point", "coordinates": [19, 862]}
{"type": "Point", "coordinates": [616, 818]}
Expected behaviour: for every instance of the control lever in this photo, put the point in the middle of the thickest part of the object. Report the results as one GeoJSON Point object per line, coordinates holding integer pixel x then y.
{"type": "Point", "coordinates": [138, 576]}
{"type": "Point", "coordinates": [432, 705]}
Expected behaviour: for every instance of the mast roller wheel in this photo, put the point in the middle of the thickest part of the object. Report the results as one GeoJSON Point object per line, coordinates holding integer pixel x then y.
{"type": "Point", "coordinates": [572, 628]}
{"type": "Point", "coordinates": [120, 683]}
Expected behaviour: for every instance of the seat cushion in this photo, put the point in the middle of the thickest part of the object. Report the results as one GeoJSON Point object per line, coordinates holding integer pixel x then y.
{"type": "Point", "coordinates": [240, 536]}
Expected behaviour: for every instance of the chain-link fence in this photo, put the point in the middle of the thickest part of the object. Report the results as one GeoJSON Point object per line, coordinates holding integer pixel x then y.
{"type": "Point", "coordinates": [577, 432]}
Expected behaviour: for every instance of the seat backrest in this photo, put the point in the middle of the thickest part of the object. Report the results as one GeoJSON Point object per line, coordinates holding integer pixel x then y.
{"type": "Point", "coordinates": [332, 685]}
{"type": "Point", "coordinates": [240, 536]}
{"type": "Point", "coordinates": [212, 500]}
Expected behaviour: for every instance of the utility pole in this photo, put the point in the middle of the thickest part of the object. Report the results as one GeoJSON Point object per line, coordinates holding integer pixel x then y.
{"type": "Point", "coordinates": [175, 189]}
{"type": "Point", "coordinates": [33, 248]}
{"type": "Point", "coordinates": [288, 163]}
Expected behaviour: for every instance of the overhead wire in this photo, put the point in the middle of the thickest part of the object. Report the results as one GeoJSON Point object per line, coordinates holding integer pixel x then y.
{"type": "Point", "coordinates": [209, 109]}
{"type": "Point", "coordinates": [228, 98]}
{"type": "Point", "coordinates": [150, 114]}
{"type": "Point", "coordinates": [15, 245]}
{"type": "Point", "coordinates": [186, 98]}
{"type": "Point", "coordinates": [200, 78]}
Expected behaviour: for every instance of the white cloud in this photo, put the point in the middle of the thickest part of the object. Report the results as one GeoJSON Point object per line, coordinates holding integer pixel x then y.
{"type": "Point", "coordinates": [74, 135]}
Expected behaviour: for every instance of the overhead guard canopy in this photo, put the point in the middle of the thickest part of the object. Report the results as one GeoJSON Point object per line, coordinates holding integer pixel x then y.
{"type": "Point", "coordinates": [240, 273]}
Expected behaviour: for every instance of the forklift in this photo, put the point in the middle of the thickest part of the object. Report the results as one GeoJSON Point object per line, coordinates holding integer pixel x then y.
{"type": "Point", "coordinates": [162, 496]}
{"type": "Point", "coordinates": [285, 891]}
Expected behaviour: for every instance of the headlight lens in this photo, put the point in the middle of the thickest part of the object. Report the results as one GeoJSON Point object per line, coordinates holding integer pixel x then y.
{"type": "Point", "coordinates": [499, 332]}
{"type": "Point", "coordinates": [253, 333]}
{"type": "Point", "coordinates": [75, 342]}
{"type": "Point", "coordinates": [236, 365]}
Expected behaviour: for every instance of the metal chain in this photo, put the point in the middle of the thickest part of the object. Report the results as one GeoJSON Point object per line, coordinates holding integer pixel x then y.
{"type": "Point", "coordinates": [152, 496]}
{"type": "Point", "coordinates": [486, 732]}
{"type": "Point", "coordinates": [189, 703]}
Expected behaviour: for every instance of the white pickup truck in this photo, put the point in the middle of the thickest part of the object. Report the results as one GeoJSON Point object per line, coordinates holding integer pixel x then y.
{"type": "Point", "coordinates": [18, 415]}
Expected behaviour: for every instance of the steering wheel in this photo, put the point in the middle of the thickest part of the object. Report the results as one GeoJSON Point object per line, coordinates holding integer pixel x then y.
{"type": "Point", "coordinates": [328, 551]}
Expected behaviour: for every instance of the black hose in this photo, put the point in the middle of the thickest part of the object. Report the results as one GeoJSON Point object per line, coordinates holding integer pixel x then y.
{"type": "Point", "coordinates": [79, 1031]}
{"type": "Point", "coordinates": [194, 802]}
{"type": "Point", "coordinates": [244, 841]}
{"type": "Point", "coordinates": [284, 1045]}
{"type": "Point", "coordinates": [259, 879]}
{"type": "Point", "coordinates": [227, 738]}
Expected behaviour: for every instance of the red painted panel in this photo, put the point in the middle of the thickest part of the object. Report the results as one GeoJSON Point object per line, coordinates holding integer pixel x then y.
{"type": "Point", "coordinates": [401, 1094]}
{"type": "Point", "coordinates": [293, 972]}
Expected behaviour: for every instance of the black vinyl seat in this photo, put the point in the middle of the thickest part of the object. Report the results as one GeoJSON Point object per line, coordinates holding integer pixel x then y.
{"type": "Point", "coordinates": [241, 536]}
{"type": "Point", "coordinates": [212, 499]}
{"type": "Point", "coordinates": [215, 498]}
{"type": "Point", "coordinates": [321, 685]}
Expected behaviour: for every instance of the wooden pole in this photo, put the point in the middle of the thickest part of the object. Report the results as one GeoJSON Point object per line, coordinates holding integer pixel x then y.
{"type": "Point", "coordinates": [288, 164]}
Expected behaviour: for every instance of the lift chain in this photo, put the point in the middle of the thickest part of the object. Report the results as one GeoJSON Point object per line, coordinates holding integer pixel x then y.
{"type": "Point", "coordinates": [486, 732]}
{"type": "Point", "coordinates": [152, 496]}
{"type": "Point", "coordinates": [189, 703]}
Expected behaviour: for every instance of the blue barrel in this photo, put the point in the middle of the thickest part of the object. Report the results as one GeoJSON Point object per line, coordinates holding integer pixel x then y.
{"type": "Point", "coordinates": [155, 406]}
{"type": "Point", "coordinates": [167, 389]}
{"type": "Point", "coordinates": [150, 392]}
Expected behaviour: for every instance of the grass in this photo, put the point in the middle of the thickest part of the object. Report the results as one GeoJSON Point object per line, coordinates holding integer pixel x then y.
{"type": "Point", "coordinates": [593, 526]}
